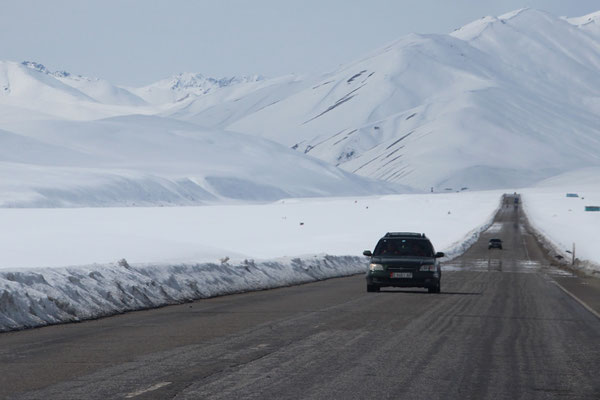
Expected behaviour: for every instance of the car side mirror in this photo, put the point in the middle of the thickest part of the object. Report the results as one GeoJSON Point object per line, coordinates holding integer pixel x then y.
{"type": "Point", "coordinates": [439, 254]}
{"type": "Point", "coordinates": [367, 253]}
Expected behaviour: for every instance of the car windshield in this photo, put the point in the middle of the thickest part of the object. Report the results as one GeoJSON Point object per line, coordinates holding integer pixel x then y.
{"type": "Point", "coordinates": [404, 248]}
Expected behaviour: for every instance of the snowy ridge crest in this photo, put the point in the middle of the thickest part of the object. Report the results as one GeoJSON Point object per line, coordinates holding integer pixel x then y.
{"type": "Point", "coordinates": [188, 86]}
{"type": "Point", "coordinates": [188, 80]}
{"type": "Point", "coordinates": [57, 74]}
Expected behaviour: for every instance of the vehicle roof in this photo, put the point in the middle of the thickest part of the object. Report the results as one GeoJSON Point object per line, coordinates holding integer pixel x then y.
{"type": "Point", "coordinates": [413, 235]}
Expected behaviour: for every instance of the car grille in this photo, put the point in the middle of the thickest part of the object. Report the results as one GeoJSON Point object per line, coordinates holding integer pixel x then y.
{"type": "Point", "coordinates": [401, 268]}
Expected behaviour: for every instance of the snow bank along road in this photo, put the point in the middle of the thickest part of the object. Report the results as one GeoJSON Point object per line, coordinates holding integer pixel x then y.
{"type": "Point", "coordinates": [502, 328]}
{"type": "Point", "coordinates": [179, 254]}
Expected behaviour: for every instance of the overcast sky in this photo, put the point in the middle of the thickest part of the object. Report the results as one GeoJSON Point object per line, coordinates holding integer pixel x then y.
{"type": "Point", "coordinates": [136, 42]}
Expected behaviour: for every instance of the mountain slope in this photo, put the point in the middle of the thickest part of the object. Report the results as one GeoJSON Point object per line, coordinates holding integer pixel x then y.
{"type": "Point", "coordinates": [503, 102]}
{"type": "Point", "coordinates": [29, 89]}
{"type": "Point", "coordinates": [222, 107]}
{"type": "Point", "coordinates": [100, 90]}
{"type": "Point", "coordinates": [186, 86]}
{"type": "Point", "coordinates": [460, 110]}
{"type": "Point", "coordinates": [147, 160]}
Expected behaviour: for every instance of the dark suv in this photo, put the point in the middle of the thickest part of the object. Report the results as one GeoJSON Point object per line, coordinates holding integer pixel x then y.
{"type": "Point", "coordinates": [495, 244]}
{"type": "Point", "coordinates": [404, 259]}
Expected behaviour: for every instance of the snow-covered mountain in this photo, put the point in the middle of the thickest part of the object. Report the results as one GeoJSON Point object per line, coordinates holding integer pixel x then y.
{"type": "Point", "coordinates": [589, 23]}
{"type": "Point", "coordinates": [186, 86]}
{"type": "Point", "coordinates": [97, 89]}
{"type": "Point", "coordinates": [68, 140]}
{"type": "Point", "coordinates": [501, 102]}
{"type": "Point", "coordinates": [221, 108]}
{"type": "Point", "coordinates": [29, 90]}
{"type": "Point", "coordinates": [149, 160]}
{"type": "Point", "coordinates": [33, 89]}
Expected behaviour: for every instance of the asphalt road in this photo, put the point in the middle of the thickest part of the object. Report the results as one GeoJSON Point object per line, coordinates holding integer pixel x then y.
{"type": "Point", "coordinates": [504, 327]}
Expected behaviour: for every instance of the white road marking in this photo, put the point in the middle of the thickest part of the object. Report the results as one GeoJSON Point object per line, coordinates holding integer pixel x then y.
{"type": "Point", "coordinates": [495, 227]}
{"type": "Point", "coordinates": [150, 389]}
{"type": "Point", "coordinates": [590, 309]}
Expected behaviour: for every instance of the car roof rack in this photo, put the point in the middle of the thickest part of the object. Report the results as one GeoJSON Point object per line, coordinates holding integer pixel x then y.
{"type": "Point", "coordinates": [405, 234]}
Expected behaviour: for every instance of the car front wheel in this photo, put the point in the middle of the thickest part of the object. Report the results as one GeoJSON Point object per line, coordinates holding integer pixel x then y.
{"type": "Point", "coordinates": [372, 288]}
{"type": "Point", "coordinates": [435, 289]}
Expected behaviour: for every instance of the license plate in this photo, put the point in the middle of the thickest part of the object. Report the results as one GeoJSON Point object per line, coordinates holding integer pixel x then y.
{"type": "Point", "coordinates": [401, 275]}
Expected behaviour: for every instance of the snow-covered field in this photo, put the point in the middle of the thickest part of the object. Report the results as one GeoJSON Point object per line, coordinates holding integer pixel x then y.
{"type": "Point", "coordinates": [291, 227]}
{"type": "Point", "coordinates": [67, 264]}
{"type": "Point", "coordinates": [563, 220]}
{"type": "Point", "coordinates": [70, 264]}
{"type": "Point", "coordinates": [60, 265]}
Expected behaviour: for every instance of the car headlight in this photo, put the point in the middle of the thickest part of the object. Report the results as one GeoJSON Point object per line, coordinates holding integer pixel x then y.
{"type": "Point", "coordinates": [430, 268]}
{"type": "Point", "coordinates": [375, 267]}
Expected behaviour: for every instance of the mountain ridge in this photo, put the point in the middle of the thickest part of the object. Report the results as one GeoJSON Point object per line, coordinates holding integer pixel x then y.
{"type": "Point", "coordinates": [502, 102]}
{"type": "Point", "coordinates": [465, 91]}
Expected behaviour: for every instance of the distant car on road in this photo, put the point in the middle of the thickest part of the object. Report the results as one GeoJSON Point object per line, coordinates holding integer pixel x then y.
{"type": "Point", "coordinates": [404, 259]}
{"type": "Point", "coordinates": [495, 244]}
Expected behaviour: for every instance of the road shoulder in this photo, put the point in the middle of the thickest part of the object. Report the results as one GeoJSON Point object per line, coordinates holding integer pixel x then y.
{"type": "Point", "coordinates": [585, 290]}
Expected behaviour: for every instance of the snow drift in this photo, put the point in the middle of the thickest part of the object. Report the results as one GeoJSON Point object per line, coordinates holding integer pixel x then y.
{"type": "Point", "coordinates": [36, 298]}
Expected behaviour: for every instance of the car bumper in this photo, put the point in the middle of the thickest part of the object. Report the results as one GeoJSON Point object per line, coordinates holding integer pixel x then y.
{"type": "Point", "coordinates": [419, 279]}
